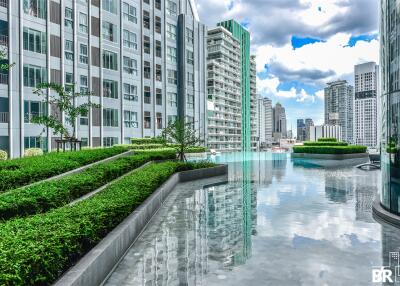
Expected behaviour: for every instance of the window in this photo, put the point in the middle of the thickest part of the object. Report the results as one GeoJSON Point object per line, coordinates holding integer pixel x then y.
{"type": "Point", "coordinates": [110, 60]}
{"type": "Point", "coordinates": [69, 18]}
{"type": "Point", "coordinates": [146, 1]}
{"type": "Point", "coordinates": [146, 44]}
{"type": "Point", "coordinates": [158, 4]}
{"type": "Point", "coordinates": [146, 19]}
{"type": "Point", "coordinates": [83, 23]}
{"type": "Point", "coordinates": [190, 101]}
{"type": "Point", "coordinates": [172, 77]}
{"type": "Point", "coordinates": [69, 81]}
{"type": "Point", "coordinates": [159, 120]}
{"type": "Point", "coordinates": [171, 8]}
{"type": "Point", "coordinates": [130, 66]}
{"type": "Point", "coordinates": [69, 50]}
{"type": "Point", "coordinates": [36, 8]}
{"type": "Point", "coordinates": [83, 84]}
{"type": "Point", "coordinates": [158, 96]}
{"type": "Point", "coordinates": [147, 120]}
{"type": "Point", "coordinates": [34, 41]}
{"type": "Point", "coordinates": [110, 6]}
{"type": "Point", "coordinates": [130, 40]}
{"type": "Point", "coordinates": [110, 141]}
{"type": "Point", "coordinates": [110, 88]}
{"type": "Point", "coordinates": [83, 119]}
{"type": "Point", "coordinates": [110, 117]}
{"type": "Point", "coordinates": [130, 92]}
{"type": "Point", "coordinates": [34, 75]}
{"type": "Point", "coordinates": [129, 13]}
{"type": "Point", "coordinates": [147, 95]}
{"type": "Point", "coordinates": [130, 119]}
{"type": "Point", "coordinates": [83, 54]}
{"type": "Point", "coordinates": [189, 57]}
{"type": "Point", "coordinates": [146, 70]}
{"type": "Point", "coordinates": [85, 142]}
{"type": "Point", "coordinates": [109, 32]}
{"type": "Point", "coordinates": [190, 79]}
{"type": "Point", "coordinates": [172, 99]}
{"type": "Point", "coordinates": [158, 49]}
{"type": "Point", "coordinates": [189, 36]}
{"type": "Point", "coordinates": [171, 54]}
{"type": "Point", "coordinates": [158, 73]}
{"type": "Point", "coordinates": [33, 108]}
{"type": "Point", "coordinates": [172, 118]}
{"type": "Point", "coordinates": [158, 24]}
{"type": "Point", "coordinates": [35, 142]}
{"type": "Point", "coordinates": [171, 31]}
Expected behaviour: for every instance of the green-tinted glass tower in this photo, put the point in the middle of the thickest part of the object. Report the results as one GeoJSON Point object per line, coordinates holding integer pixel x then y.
{"type": "Point", "coordinates": [240, 33]}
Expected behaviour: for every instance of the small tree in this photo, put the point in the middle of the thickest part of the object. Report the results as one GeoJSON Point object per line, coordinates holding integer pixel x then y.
{"type": "Point", "coordinates": [182, 134]}
{"type": "Point", "coordinates": [64, 101]}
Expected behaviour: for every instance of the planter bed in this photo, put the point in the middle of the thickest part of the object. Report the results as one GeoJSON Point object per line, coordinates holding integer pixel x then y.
{"type": "Point", "coordinates": [36, 250]}
{"type": "Point", "coordinates": [352, 149]}
{"type": "Point", "coordinates": [23, 171]}
{"type": "Point", "coordinates": [44, 196]}
{"type": "Point", "coordinates": [332, 156]}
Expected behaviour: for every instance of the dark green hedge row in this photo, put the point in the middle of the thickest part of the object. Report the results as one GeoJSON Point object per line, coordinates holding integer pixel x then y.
{"type": "Point", "coordinates": [137, 147]}
{"type": "Point", "coordinates": [36, 250]}
{"type": "Point", "coordinates": [353, 149]}
{"type": "Point", "coordinates": [141, 141]}
{"type": "Point", "coordinates": [23, 171]}
{"type": "Point", "coordinates": [48, 195]}
{"type": "Point", "coordinates": [327, 140]}
{"type": "Point", "coordinates": [325, 143]}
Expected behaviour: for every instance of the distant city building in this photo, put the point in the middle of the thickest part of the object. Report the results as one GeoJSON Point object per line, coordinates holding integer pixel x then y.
{"type": "Point", "coordinates": [301, 130]}
{"type": "Point", "coordinates": [289, 134]}
{"type": "Point", "coordinates": [325, 131]}
{"type": "Point", "coordinates": [265, 121]}
{"type": "Point", "coordinates": [253, 105]}
{"type": "Point", "coordinates": [280, 129]}
{"type": "Point", "coordinates": [339, 103]}
{"type": "Point", "coordinates": [365, 104]}
{"type": "Point", "coordinates": [308, 123]}
{"type": "Point", "coordinates": [224, 91]}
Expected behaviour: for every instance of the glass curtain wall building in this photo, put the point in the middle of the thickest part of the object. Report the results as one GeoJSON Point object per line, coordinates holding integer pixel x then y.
{"type": "Point", "coordinates": [390, 97]}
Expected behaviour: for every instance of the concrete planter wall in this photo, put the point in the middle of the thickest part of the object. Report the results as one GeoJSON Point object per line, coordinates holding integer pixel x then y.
{"type": "Point", "coordinates": [95, 266]}
{"type": "Point", "coordinates": [331, 156]}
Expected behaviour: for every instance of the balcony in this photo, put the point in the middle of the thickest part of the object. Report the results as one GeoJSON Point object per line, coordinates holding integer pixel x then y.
{"type": "Point", "coordinates": [4, 117]}
{"type": "Point", "coordinates": [3, 78]}
{"type": "Point", "coordinates": [3, 39]}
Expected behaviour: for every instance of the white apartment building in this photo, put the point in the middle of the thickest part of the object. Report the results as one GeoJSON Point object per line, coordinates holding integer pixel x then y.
{"type": "Point", "coordinates": [255, 145]}
{"type": "Point", "coordinates": [325, 131]}
{"type": "Point", "coordinates": [144, 61]}
{"type": "Point", "coordinates": [224, 91]}
{"type": "Point", "coordinates": [366, 104]}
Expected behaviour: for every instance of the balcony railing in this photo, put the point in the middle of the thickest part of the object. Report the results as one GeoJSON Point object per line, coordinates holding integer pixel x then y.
{"type": "Point", "coordinates": [4, 117]}
{"type": "Point", "coordinates": [3, 78]}
{"type": "Point", "coordinates": [3, 39]}
{"type": "Point", "coordinates": [4, 3]}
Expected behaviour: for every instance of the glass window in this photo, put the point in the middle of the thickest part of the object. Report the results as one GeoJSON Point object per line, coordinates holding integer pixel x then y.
{"type": "Point", "coordinates": [34, 75]}
{"type": "Point", "coordinates": [35, 41]}
{"type": "Point", "coordinates": [159, 120]}
{"type": "Point", "coordinates": [83, 54]}
{"type": "Point", "coordinates": [157, 4]}
{"type": "Point", "coordinates": [83, 23]}
{"type": "Point", "coordinates": [171, 54]}
{"type": "Point", "coordinates": [69, 18]}
{"type": "Point", "coordinates": [110, 117]}
{"type": "Point", "coordinates": [172, 99]}
{"type": "Point", "coordinates": [190, 101]}
{"type": "Point", "coordinates": [172, 77]}
{"type": "Point", "coordinates": [158, 96]}
{"type": "Point", "coordinates": [130, 66]}
{"type": "Point", "coordinates": [110, 6]}
{"type": "Point", "coordinates": [158, 49]}
{"type": "Point", "coordinates": [189, 36]}
{"type": "Point", "coordinates": [83, 84]}
{"type": "Point", "coordinates": [129, 12]}
{"type": "Point", "coordinates": [147, 120]}
{"type": "Point", "coordinates": [190, 79]}
{"type": "Point", "coordinates": [69, 50]}
{"type": "Point", "coordinates": [146, 70]}
{"type": "Point", "coordinates": [36, 8]}
{"type": "Point", "coordinates": [130, 119]}
{"type": "Point", "coordinates": [109, 32]}
{"type": "Point", "coordinates": [172, 118]}
{"type": "Point", "coordinates": [147, 95]}
{"type": "Point", "coordinates": [130, 92]}
{"type": "Point", "coordinates": [110, 60]}
{"type": "Point", "coordinates": [146, 19]}
{"type": "Point", "coordinates": [158, 73]}
{"type": "Point", "coordinates": [130, 40]}
{"type": "Point", "coordinates": [33, 108]}
{"type": "Point", "coordinates": [110, 141]}
{"type": "Point", "coordinates": [157, 24]}
{"type": "Point", "coordinates": [110, 88]}
{"type": "Point", "coordinates": [171, 31]}
{"type": "Point", "coordinates": [35, 142]}
{"type": "Point", "coordinates": [189, 57]}
{"type": "Point", "coordinates": [172, 8]}
{"type": "Point", "coordinates": [146, 44]}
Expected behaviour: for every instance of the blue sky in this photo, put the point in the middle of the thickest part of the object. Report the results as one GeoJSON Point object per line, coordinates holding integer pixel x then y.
{"type": "Point", "coordinates": [301, 45]}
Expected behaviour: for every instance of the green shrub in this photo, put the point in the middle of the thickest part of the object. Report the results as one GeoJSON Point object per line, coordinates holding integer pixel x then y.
{"type": "Point", "coordinates": [36, 250]}
{"type": "Point", "coordinates": [196, 149]}
{"type": "Point", "coordinates": [44, 196]}
{"type": "Point", "coordinates": [327, 140]}
{"type": "Point", "coordinates": [352, 149]}
{"type": "Point", "coordinates": [3, 155]}
{"type": "Point", "coordinates": [23, 171]}
{"type": "Point", "coordinates": [32, 152]}
{"type": "Point", "coordinates": [325, 144]}
{"type": "Point", "coordinates": [142, 141]}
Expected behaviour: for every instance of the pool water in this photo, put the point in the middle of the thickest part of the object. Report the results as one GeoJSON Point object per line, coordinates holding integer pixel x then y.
{"type": "Point", "coordinates": [270, 221]}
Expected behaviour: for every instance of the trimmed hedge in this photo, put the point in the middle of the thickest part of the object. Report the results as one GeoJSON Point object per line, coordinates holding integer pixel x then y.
{"type": "Point", "coordinates": [193, 149]}
{"type": "Point", "coordinates": [48, 195]}
{"type": "Point", "coordinates": [327, 140]}
{"type": "Point", "coordinates": [142, 141]}
{"type": "Point", "coordinates": [32, 152]}
{"type": "Point", "coordinates": [308, 143]}
{"type": "Point", "coordinates": [352, 149]}
{"type": "Point", "coordinates": [36, 250]}
{"type": "Point", "coordinates": [23, 171]}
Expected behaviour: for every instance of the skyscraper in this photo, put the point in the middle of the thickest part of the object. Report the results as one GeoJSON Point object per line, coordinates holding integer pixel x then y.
{"type": "Point", "coordinates": [308, 123]}
{"type": "Point", "coordinates": [144, 61]}
{"type": "Point", "coordinates": [365, 104]}
{"type": "Point", "coordinates": [253, 104]}
{"type": "Point", "coordinates": [224, 91]}
{"type": "Point", "coordinates": [243, 36]}
{"type": "Point", "coordinates": [339, 103]}
{"type": "Point", "coordinates": [301, 131]}
{"type": "Point", "coordinates": [265, 121]}
{"type": "Point", "coordinates": [280, 129]}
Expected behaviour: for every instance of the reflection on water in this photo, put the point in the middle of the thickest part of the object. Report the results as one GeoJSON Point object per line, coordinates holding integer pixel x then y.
{"type": "Point", "coordinates": [272, 223]}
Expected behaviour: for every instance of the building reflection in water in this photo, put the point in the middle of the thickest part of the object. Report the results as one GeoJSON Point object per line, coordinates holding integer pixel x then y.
{"type": "Point", "coordinates": [390, 245]}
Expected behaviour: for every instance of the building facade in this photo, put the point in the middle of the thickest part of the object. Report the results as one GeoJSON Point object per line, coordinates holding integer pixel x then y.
{"type": "Point", "coordinates": [301, 130]}
{"type": "Point", "coordinates": [325, 131]}
{"type": "Point", "coordinates": [144, 62]}
{"type": "Point", "coordinates": [254, 116]}
{"type": "Point", "coordinates": [280, 124]}
{"type": "Point", "coordinates": [390, 98]}
{"type": "Point", "coordinates": [339, 108]}
{"type": "Point", "coordinates": [265, 121]}
{"type": "Point", "coordinates": [243, 36]}
{"type": "Point", "coordinates": [224, 91]}
{"type": "Point", "coordinates": [366, 104]}
{"type": "Point", "coordinates": [308, 124]}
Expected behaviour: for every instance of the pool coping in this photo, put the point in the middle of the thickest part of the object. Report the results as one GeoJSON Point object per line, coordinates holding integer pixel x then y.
{"type": "Point", "coordinates": [96, 265]}
{"type": "Point", "coordinates": [380, 213]}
